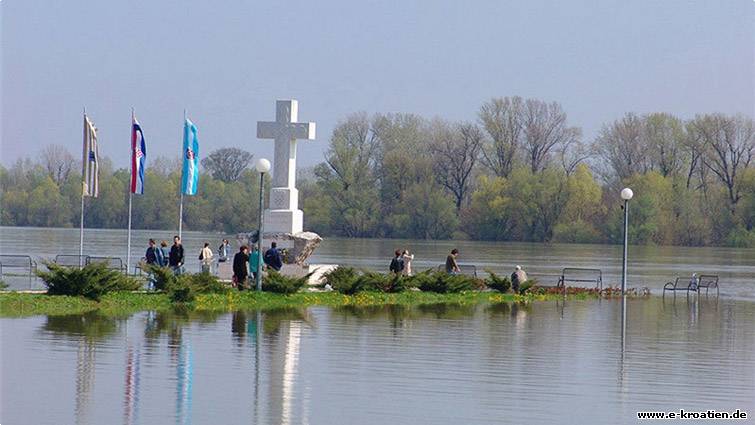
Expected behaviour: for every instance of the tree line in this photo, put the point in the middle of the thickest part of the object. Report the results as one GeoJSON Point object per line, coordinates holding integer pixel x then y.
{"type": "Point", "coordinates": [519, 172]}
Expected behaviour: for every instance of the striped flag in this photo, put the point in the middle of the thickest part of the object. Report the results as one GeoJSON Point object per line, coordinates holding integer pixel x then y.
{"type": "Point", "coordinates": [90, 170]}
{"type": "Point", "coordinates": [138, 157]}
{"type": "Point", "coordinates": [190, 176]}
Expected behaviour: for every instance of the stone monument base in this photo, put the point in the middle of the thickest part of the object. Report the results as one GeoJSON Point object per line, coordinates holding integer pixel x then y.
{"type": "Point", "coordinates": [297, 247]}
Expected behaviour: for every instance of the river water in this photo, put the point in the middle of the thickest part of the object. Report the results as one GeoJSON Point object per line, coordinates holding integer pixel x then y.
{"type": "Point", "coordinates": [541, 363]}
{"type": "Point", "coordinates": [649, 266]}
{"type": "Point", "coordinates": [574, 362]}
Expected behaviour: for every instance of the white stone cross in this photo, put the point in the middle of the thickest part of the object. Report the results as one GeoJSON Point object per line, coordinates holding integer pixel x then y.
{"type": "Point", "coordinates": [285, 130]}
{"type": "Point", "coordinates": [284, 214]}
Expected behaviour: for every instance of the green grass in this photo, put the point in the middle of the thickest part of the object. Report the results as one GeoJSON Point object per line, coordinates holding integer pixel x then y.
{"type": "Point", "coordinates": [13, 304]}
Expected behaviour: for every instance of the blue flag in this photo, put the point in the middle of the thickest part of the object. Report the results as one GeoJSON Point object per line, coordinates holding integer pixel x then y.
{"type": "Point", "coordinates": [190, 176]}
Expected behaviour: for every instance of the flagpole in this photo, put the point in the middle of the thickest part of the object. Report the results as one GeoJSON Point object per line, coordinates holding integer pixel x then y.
{"type": "Point", "coordinates": [130, 195]}
{"type": "Point", "coordinates": [180, 188]}
{"type": "Point", "coordinates": [81, 221]}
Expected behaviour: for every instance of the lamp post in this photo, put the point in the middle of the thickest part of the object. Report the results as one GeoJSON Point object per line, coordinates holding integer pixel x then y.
{"type": "Point", "coordinates": [262, 166]}
{"type": "Point", "coordinates": [626, 195]}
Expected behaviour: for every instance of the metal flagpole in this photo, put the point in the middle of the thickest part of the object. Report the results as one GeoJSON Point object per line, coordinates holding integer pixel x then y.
{"type": "Point", "coordinates": [180, 188]}
{"type": "Point", "coordinates": [83, 166]}
{"type": "Point", "coordinates": [130, 195]}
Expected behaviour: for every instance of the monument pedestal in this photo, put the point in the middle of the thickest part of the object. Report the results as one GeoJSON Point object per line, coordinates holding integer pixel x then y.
{"type": "Point", "coordinates": [291, 220]}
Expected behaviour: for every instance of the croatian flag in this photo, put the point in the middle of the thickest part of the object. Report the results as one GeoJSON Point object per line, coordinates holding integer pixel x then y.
{"type": "Point", "coordinates": [138, 157]}
{"type": "Point", "coordinates": [190, 176]}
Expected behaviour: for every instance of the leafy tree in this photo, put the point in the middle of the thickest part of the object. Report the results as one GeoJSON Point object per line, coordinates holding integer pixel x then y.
{"type": "Point", "coordinates": [227, 164]}
{"type": "Point", "coordinates": [45, 206]}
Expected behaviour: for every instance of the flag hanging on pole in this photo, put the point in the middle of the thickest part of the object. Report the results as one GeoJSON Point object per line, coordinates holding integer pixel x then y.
{"type": "Point", "coordinates": [138, 157]}
{"type": "Point", "coordinates": [89, 168]}
{"type": "Point", "coordinates": [190, 176]}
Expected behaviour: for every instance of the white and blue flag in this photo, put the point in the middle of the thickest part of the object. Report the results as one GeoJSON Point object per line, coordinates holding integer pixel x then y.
{"type": "Point", "coordinates": [138, 157]}
{"type": "Point", "coordinates": [190, 176]}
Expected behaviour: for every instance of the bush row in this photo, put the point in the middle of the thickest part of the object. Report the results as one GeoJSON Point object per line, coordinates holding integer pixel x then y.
{"type": "Point", "coordinates": [347, 280]}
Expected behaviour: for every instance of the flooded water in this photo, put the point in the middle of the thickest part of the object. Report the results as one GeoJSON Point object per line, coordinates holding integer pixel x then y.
{"type": "Point", "coordinates": [547, 362]}
{"type": "Point", "coordinates": [648, 266]}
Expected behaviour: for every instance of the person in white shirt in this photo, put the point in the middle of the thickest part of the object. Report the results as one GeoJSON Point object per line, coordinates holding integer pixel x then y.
{"type": "Point", "coordinates": [205, 257]}
{"type": "Point", "coordinates": [407, 262]}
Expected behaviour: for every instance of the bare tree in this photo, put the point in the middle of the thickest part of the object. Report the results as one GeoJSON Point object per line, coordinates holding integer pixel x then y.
{"type": "Point", "coordinates": [727, 144]}
{"type": "Point", "coordinates": [455, 150]}
{"type": "Point", "coordinates": [663, 136]}
{"type": "Point", "coordinates": [620, 145]}
{"type": "Point", "coordinates": [545, 129]}
{"type": "Point", "coordinates": [58, 162]}
{"type": "Point", "coordinates": [502, 120]}
{"type": "Point", "coordinates": [227, 164]}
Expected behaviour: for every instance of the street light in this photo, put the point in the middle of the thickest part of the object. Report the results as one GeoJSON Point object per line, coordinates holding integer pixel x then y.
{"type": "Point", "coordinates": [262, 166]}
{"type": "Point", "coordinates": [626, 195]}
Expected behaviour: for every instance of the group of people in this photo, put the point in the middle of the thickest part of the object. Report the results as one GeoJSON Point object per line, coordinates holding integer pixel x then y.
{"type": "Point", "coordinates": [244, 262]}
{"type": "Point", "coordinates": [402, 264]}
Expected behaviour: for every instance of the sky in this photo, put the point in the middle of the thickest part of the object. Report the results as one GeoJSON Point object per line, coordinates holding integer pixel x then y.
{"type": "Point", "coordinates": [226, 62]}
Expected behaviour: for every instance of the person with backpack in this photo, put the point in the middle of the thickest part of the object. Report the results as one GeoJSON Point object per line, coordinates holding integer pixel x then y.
{"type": "Point", "coordinates": [397, 264]}
{"type": "Point", "coordinates": [223, 251]}
{"type": "Point", "coordinates": [205, 258]}
{"type": "Point", "coordinates": [273, 257]}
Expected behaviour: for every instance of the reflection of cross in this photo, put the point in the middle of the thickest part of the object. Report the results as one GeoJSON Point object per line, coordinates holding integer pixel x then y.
{"type": "Point", "coordinates": [285, 130]}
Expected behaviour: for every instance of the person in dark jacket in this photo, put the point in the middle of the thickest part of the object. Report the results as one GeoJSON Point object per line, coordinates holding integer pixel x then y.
{"type": "Point", "coordinates": [397, 264]}
{"type": "Point", "coordinates": [150, 257]}
{"type": "Point", "coordinates": [176, 256]}
{"type": "Point", "coordinates": [273, 257]}
{"type": "Point", "coordinates": [240, 267]}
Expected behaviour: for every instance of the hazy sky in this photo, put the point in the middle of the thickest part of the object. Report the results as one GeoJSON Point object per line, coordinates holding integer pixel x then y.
{"type": "Point", "coordinates": [228, 61]}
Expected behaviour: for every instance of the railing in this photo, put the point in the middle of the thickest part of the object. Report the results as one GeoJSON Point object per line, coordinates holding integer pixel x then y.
{"type": "Point", "coordinates": [580, 275]}
{"type": "Point", "coordinates": [70, 260]}
{"type": "Point", "coordinates": [23, 262]}
{"type": "Point", "coordinates": [466, 269]}
{"type": "Point", "coordinates": [112, 263]}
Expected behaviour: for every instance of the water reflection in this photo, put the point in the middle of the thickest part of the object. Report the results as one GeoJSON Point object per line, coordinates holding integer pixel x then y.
{"type": "Point", "coordinates": [388, 364]}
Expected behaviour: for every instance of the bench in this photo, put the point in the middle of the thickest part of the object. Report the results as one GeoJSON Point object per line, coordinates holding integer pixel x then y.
{"type": "Point", "coordinates": [18, 262]}
{"type": "Point", "coordinates": [690, 284]}
{"type": "Point", "coordinates": [466, 269]}
{"type": "Point", "coordinates": [112, 263]}
{"type": "Point", "coordinates": [580, 275]}
{"type": "Point", "coordinates": [70, 260]}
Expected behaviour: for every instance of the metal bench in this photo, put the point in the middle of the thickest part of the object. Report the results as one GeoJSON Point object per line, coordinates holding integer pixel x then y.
{"type": "Point", "coordinates": [70, 260]}
{"type": "Point", "coordinates": [112, 263]}
{"type": "Point", "coordinates": [466, 269]}
{"type": "Point", "coordinates": [579, 275]}
{"type": "Point", "coordinates": [17, 262]}
{"type": "Point", "coordinates": [707, 281]}
{"type": "Point", "coordinates": [681, 283]}
{"type": "Point", "coordinates": [690, 284]}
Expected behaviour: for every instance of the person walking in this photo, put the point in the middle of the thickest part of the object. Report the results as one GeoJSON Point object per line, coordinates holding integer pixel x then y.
{"type": "Point", "coordinates": [150, 257]}
{"type": "Point", "coordinates": [176, 256]}
{"type": "Point", "coordinates": [407, 262]}
{"type": "Point", "coordinates": [452, 267]}
{"type": "Point", "coordinates": [273, 257]}
{"type": "Point", "coordinates": [162, 254]}
{"type": "Point", "coordinates": [205, 258]}
{"type": "Point", "coordinates": [240, 268]}
{"type": "Point", "coordinates": [254, 262]}
{"type": "Point", "coordinates": [223, 251]}
{"type": "Point", "coordinates": [397, 263]}
{"type": "Point", "coordinates": [518, 278]}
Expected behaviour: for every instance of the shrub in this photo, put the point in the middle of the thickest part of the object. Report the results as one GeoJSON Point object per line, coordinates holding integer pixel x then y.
{"type": "Point", "coordinates": [184, 288]}
{"type": "Point", "coordinates": [91, 281]}
{"type": "Point", "coordinates": [280, 284]}
{"type": "Point", "coordinates": [527, 286]}
{"type": "Point", "coordinates": [3, 285]}
{"type": "Point", "coordinates": [161, 275]}
{"type": "Point", "coordinates": [447, 283]}
{"type": "Point", "coordinates": [342, 279]}
{"type": "Point", "coordinates": [498, 283]}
